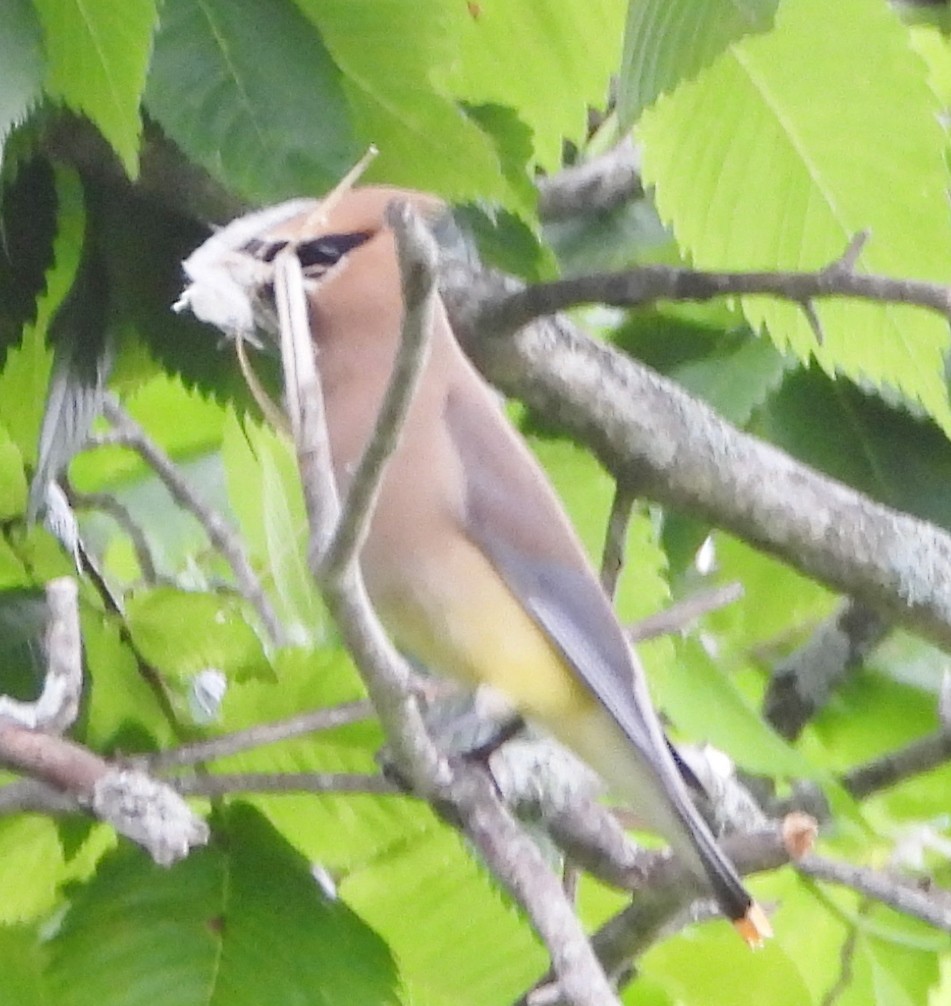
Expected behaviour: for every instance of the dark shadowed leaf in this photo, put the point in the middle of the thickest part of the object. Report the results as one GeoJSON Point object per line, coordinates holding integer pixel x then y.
{"type": "Point", "coordinates": [238, 924]}
{"type": "Point", "coordinates": [666, 41]}
{"type": "Point", "coordinates": [247, 89]}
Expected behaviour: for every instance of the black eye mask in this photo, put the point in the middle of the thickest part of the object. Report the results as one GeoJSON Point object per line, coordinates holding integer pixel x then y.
{"type": "Point", "coordinates": [316, 255]}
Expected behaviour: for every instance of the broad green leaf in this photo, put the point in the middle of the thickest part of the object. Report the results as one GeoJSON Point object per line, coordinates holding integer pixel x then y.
{"type": "Point", "coordinates": [12, 478]}
{"type": "Point", "coordinates": [31, 863]}
{"type": "Point", "coordinates": [265, 495]}
{"type": "Point", "coordinates": [97, 56]}
{"type": "Point", "coordinates": [13, 574]}
{"type": "Point", "coordinates": [184, 632]}
{"type": "Point", "coordinates": [248, 90]}
{"type": "Point", "coordinates": [338, 830]}
{"type": "Point", "coordinates": [195, 431]}
{"type": "Point", "coordinates": [778, 604]}
{"type": "Point", "coordinates": [21, 56]}
{"type": "Point", "coordinates": [395, 58]}
{"type": "Point", "coordinates": [667, 41]}
{"type": "Point", "coordinates": [709, 964]}
{"type": "Point", "coordinates": [24, 959]}
{"type": "Point", "coordinates": [900, 460]}
{"type": "Point", "coordinates": [729, 368]}
{"type": "Point", "coordinates": [237, 924]}
{"type": "Point", "coordinates": [121, 709]}
{"type": "Point", "coordinates": [890, 973]}
{"type": "Point", "coordinates": [456, 938]}
{"type": "Point", "coordinates": [756, 168]}
{"type": "Point", "coordinates": [693, 686]}
{"type": "Point", "coordinates": [565, 52]}
{"type": "Point", "coordinates": [934, 48]}
{"type": "Point", "coordinates": [850, 739]}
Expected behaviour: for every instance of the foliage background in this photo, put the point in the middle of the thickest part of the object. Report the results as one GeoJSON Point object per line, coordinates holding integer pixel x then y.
{"type": "Point", "coordinates": [772, 133]}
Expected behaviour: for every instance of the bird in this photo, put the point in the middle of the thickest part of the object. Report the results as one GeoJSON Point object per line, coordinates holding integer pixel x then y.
{"type": "Point", "coordinates": [470, 560]}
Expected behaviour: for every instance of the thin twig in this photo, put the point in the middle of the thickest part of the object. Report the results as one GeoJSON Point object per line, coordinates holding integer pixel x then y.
{"type": "Point", "coordinates": [680, 615]}
{"type": "Point", "coordinates": [615, 539]}
{"type": "Point", "coordinates": [260, 735]}
{"type": "Point", "coordinates": [667, 889]}
{"type": "Point", "coordinates": [802, 684]}
{"type": "Point", "coordinates": [890, 769]}
{"type": "Point", "coordinates": [288, 783]}
{"type": "Point", "coordinates": [906, 895]}
{"type": "Point", "coordinates": [56, 708]}
{"type": "Point", "coordinates": [120, 514]}
{"type": "Point", "coordinates": [386, 673]}
{"type": "Point", "coordinates": [648, 284]}
{"type": "Point", "coordinates": [219, 531]}
{"type": "Point", "coordinates": [517, 862]}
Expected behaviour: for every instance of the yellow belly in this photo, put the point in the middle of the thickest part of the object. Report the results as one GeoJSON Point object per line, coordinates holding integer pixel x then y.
{"type": "Point", "coordinates": [460, 619]}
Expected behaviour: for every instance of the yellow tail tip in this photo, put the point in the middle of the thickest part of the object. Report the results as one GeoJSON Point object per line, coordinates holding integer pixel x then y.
{"type": "Point", "coordinates": [754, 927]}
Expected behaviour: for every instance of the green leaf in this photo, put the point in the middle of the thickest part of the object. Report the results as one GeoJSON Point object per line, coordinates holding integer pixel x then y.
{"type": "Point", "coordinates": [693, 685]}
{"type": "Point", "coordinates": [778, 602]}
{"type": "Point", "coordinates": [399, 97]}
{"type": "Point", "coordinates": [31, 862]}
{"type": "Point", "coordinates": [265, 494]}
{"type": "Point", "coordinates": [565, 52]}
{"type": "Point", "coordinates": [339, 830]}
{"type": "Point", "coordinates": [248, 90]}
{"type": "Point", "coordinates": [239, 923]}
{"type": "Point", "coordinates": [733, 371]}
{"type": "Point", "coordinates": [709, 965]}
{"type": "Point", "coordinates": [457, 938]}
{"type": "Point", "coordinates": [756, 169]}
{"type": "Point", "coordinates": [97, 56]}
{"type": "Point", "coordinates": [183, 632]}
{"type": "Point", "coordinates": [12, 478]}
{"type": "Point", "coordinates": [24, 958]}
{"type": "Point", "coordinates": [21, 56]}
{"type": "Point", "coordinates": [121, 709]}
{"type": "Point", "coordinates": [667, 41]}
{"type": "Point", "coordinates": [935, 49]}
{"type": "Point", "coordinates": [900, 460]}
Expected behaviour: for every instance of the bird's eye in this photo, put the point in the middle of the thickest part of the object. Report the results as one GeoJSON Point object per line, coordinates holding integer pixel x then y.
{"type": "Point", "coordinates": [328, 249]}
{"type": "Point", "coordinates": [264, 250]}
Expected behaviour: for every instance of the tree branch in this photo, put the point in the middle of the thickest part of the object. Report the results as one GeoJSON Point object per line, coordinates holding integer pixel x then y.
{"type": "Point", "coordinates": [919, 756]}
{"type": "Point", "coordinates": [904, 894]}
{"type": "Point", "coordinates": [680, 615]}
{"type": "Point", "coordinates": [648, 284]}
{"type": "Point", "coordinates": [137, 806]}
{"type": "Point", "coordinates": [802, 684]}
{"type": "Point", "coordinates": [647, 430]}
{"type": "Point", "coordinates": [596, 186]}
{"type": "Point", "coordinates": [260, 735]}
{"type": "Point", "coordinates": [288, 783]}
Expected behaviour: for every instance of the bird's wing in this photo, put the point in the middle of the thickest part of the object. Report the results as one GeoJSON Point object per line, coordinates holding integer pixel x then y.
{"type": "Point", "coordinates": [513, 516]}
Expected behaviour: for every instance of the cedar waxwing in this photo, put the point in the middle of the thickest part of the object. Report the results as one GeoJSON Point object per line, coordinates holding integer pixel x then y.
{"type": "Point", "coordinates": [470, 560]}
